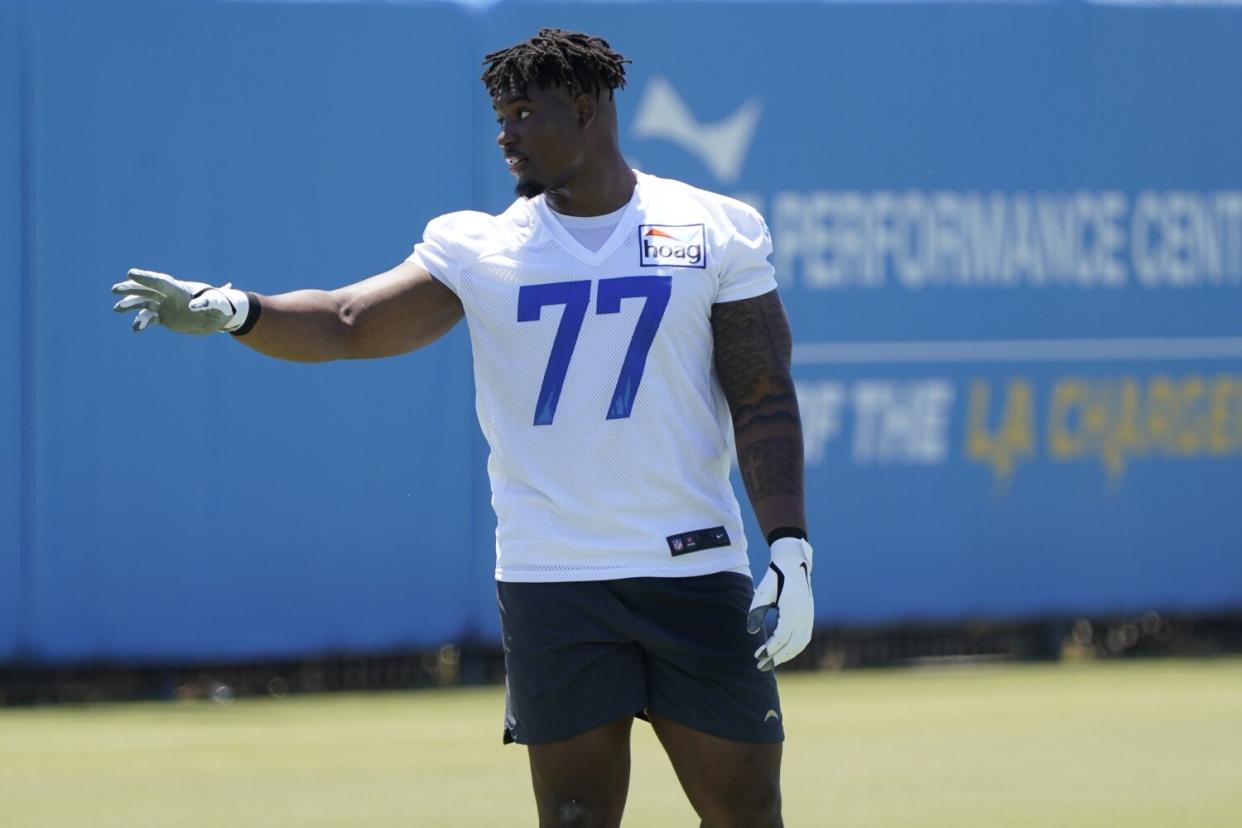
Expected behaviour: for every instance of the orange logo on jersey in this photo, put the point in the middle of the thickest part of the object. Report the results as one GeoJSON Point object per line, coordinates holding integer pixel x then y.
{"type": "Point", "coordinates": [672, 245]}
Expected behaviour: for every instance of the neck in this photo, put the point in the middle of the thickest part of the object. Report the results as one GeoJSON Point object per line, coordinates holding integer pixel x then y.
{"type": "Point", "coordinates": [596, 189]}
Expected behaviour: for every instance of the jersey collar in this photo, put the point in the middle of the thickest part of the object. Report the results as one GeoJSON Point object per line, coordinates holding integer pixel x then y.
{"type": "Point", "coordinates": [620, 233]}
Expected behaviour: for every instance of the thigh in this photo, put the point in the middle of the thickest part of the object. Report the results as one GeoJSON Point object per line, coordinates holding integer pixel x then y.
{"type": "Point", "coordinates": [700, 660]}
{"type": "Point", "coordinates": [568, 670]}
{"type": "Point", "coordinates": [582, 781]}
{"type": "Point", "coordinates": [730, 784]}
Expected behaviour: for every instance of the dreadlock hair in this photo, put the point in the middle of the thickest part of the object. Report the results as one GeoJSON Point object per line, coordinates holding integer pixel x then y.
{"type": "Point", "coordinates": [555, 57]}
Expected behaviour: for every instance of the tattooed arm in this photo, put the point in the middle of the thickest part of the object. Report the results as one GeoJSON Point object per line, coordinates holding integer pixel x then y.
{"type": "Point", "coordinates": [752, 360]}
{"type": "Point", "coordinates": [753, 344]}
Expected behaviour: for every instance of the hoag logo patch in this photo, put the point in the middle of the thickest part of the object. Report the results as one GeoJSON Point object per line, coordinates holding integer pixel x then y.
{"type": "Point", "coordinates": [672, 245]}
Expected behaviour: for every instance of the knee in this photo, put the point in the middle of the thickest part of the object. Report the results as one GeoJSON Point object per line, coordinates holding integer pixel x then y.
{"type": "Point", "coordinates": [761, 807]}
{"type": "Point", "coordinates": [756, 805]}
{"type": "Point", "coordinates": [765, 806]}
{"type": "Point", "coordinates": [580, 812]}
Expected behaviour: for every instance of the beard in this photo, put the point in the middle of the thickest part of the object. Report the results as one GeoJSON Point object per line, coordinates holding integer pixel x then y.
{"type": "Point", "coordinates": [528, 189]}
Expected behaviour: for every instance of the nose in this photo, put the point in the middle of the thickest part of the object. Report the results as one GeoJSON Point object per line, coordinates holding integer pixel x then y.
{"type": "Point", "coordinates": [504, 139]}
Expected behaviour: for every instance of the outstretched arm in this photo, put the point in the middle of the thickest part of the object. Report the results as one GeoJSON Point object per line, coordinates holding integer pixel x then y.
{"type": "Point", "coordinates": [392, 313]}
{"type": "Point", "coordinates": [753, 348]}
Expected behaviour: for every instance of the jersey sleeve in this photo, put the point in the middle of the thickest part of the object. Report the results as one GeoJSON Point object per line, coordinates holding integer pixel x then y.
{"type": "Point", "coordinates": [745, 271]}
{"type": "Point", "coordinates": [451, 243]}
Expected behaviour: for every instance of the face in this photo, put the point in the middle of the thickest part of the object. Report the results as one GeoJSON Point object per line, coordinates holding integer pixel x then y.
{"type": "Point", "coordinates": [542, 138]}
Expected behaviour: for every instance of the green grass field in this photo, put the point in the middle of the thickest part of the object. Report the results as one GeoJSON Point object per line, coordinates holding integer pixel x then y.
{"type": "Point", "coordinates": [1136, 744]}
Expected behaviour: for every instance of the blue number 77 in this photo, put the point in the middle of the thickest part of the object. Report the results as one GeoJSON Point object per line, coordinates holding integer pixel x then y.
{"type": "Point", "coordinates": [575, 296]}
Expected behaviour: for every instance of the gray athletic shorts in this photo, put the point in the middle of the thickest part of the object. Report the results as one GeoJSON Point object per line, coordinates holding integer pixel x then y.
{"type": "Point", "coordinates": [581, 654]}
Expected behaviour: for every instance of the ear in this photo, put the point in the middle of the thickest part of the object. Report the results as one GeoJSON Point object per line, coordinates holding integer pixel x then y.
{"type": "Point", "coordinates": [586, 108]}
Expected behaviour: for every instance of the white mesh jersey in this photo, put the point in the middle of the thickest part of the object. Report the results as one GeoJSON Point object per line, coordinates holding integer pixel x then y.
{"type": "Point", "coordinates": [610, 437]}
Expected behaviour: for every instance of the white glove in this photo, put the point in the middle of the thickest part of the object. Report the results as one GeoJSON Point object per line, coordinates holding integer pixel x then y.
{"type": "Point", "coordinates": [184, 307]}
{"type": "Point", "coordinates": [787, 588]}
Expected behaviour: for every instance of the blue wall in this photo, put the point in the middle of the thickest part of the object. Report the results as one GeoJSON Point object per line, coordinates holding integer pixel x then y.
{"type": "Point", "coordinates": [1023, 181]}
{"type": "Point", "coordinates": [10, 330]}
{"type": "Point", "coordinates": [192, 497]}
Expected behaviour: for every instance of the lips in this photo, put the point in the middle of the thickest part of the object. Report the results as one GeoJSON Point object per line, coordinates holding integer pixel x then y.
{"type": "Point", "coordinates": [516, 161]}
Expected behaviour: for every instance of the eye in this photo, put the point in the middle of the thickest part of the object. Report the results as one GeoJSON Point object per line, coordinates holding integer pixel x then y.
{"type": "Point", "coordinates": [519, 114]}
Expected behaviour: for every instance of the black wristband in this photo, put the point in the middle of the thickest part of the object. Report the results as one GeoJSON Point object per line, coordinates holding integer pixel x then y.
{"type": "Point", "coordinates": [252, 316]}
{"type": "Point", "coordinates": [786, 532]}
